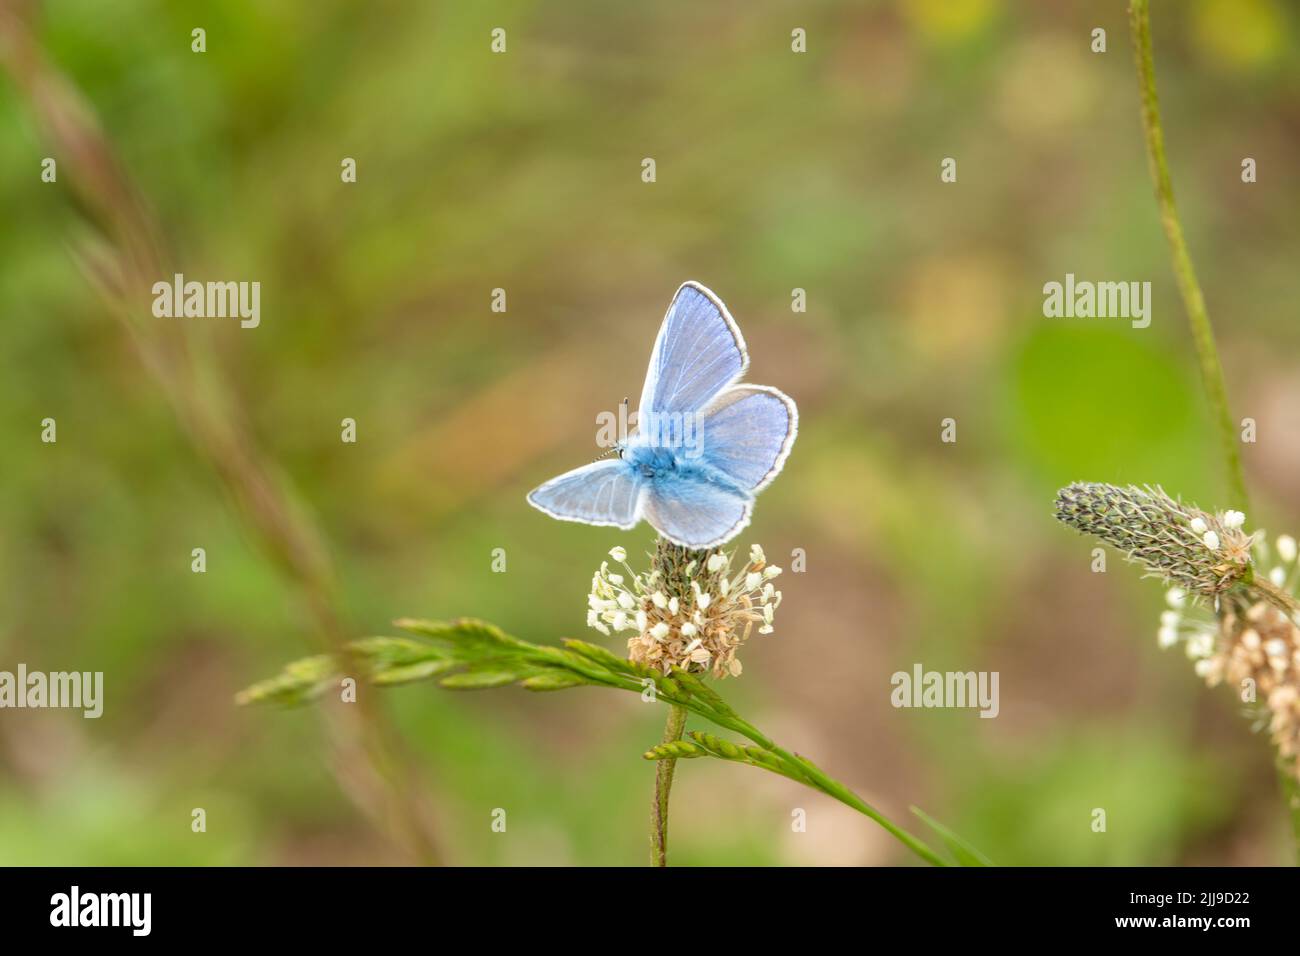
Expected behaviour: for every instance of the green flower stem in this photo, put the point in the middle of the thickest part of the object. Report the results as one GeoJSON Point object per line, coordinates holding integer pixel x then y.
{"type": "Point", "coordinates": [1190, 288]}
{"type": "Point", "coordinates": [809, 774]}
{"type": "Point", "coordinates": [813, 776]}
{"type": "Point", "coordinates": [1202, 332]}
{"type": "Point", "coordinates": [467, 654]}
{"type": "Point", "coordinates": [663, 786]}
{"type": "Point", "coordinates": [801, 770]}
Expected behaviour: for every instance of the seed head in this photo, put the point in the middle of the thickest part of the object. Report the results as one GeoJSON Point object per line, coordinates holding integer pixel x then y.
{"type": "Point", "coordinates": [1249, 643]}
{"type": "Point", "coordinates": [1258, 646]}
{"type": "Point", "coordinates": [693, 610]}
{"type": "Point", "coordinates": [1200, 552]}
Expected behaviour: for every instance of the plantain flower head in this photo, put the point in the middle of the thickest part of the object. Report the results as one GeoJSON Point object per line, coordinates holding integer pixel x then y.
{"type": "Point", "coordinates": [692, 609]}
{"type": "Point", "coordinates": [1251, 645]}
{"type": "Point", "coordinates": [1199, 552]}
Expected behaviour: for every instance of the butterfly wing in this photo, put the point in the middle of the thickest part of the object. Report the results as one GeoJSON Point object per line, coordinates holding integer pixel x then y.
{"type": "Point", "coordinates": [603, 493]}
{"type": "Point", "coordinates": [696, 513]}
{"type": "Point", "coordinates": [747, 433]}
{"type": "Point", "coordinates": [698, 353]}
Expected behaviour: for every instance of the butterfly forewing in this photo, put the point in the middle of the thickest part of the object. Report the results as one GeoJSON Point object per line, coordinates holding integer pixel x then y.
{"type": "Point", "coordinates": [698, 353]}
{"type": "Point", "coordinates": [602, 493]}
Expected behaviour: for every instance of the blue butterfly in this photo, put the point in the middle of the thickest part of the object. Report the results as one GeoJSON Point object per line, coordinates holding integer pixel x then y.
{"type": "Point", "coordinates": [704, 445]}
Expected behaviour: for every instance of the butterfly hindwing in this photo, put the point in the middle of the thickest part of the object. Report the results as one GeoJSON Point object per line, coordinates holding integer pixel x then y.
{"type": "Point", "coordinates": [602, 493]}
{"type": "Point", "coordinates": [696, 513]}
{"type": "Point", "coordinates": [747, 433]}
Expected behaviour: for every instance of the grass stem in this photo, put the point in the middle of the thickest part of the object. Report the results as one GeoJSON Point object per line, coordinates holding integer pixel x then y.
{"type": "Point", "coordinates": [673, 730]}
{"type": "Point", "coordinates": [1188, 285]}
{"type": "Point", "coordinates": [1190, 288]}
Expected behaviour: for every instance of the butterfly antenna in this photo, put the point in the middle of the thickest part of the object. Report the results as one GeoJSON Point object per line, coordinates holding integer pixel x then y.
{"type": "Point", "coordinates": [614, 449]}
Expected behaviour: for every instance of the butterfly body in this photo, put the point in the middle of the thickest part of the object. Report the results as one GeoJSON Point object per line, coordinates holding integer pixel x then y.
{"type": "Point", "coordinates": [661, 466]}
{"type": "Point", "coordinates": [704, 446]}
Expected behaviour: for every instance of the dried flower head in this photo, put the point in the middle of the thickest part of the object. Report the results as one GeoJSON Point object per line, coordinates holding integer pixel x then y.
{"type": "Point", "coordinates": [1201, 552]}
{"type": "Point", "coordinates": [692, 609]}
{"type": "Point", "coordinates": [1253, 646]}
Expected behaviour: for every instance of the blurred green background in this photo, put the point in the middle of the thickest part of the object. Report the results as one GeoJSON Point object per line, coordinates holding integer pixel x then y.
{"type": "Point", "coordinates": [775, 171]}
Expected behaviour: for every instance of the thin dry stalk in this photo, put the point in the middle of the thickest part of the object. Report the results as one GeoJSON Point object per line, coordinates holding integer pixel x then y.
{"type": "Point", "coordinates": [123, 259]}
